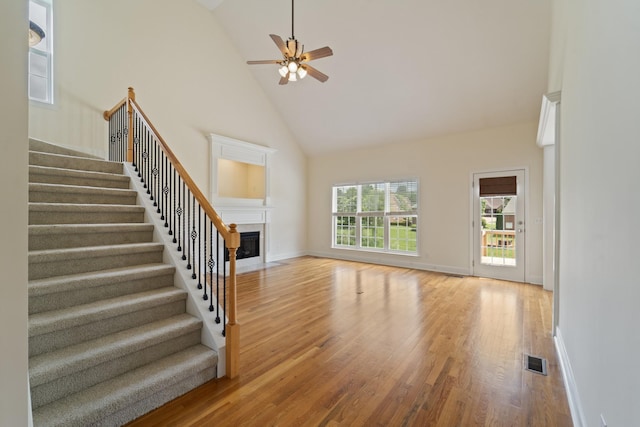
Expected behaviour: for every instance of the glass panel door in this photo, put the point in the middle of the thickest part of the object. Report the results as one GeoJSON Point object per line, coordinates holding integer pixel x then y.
{"type": "Point", "coordinates": [499, 226]}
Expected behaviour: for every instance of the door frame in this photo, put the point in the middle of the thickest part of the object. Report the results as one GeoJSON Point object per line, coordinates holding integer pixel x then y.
{"type": "Point", "coordinates": [525, 170]}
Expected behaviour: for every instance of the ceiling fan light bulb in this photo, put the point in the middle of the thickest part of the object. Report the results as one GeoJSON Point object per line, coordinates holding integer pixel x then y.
{"type": "Point", "coordinates": [302, 72]}
{"type": "Point", "coordinates": [293, 67]}
{"type": "Point", "coordinates": [292, 77]}
{"type": "Point", "coordinates": [283, 71]}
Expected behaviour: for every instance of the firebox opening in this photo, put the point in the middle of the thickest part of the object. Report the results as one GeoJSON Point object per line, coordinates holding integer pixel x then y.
{"type": "Point", "coordinates": [249, 246]}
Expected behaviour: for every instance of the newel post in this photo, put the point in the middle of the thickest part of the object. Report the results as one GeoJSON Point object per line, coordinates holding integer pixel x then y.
{"type": "Point", "coordinates": [131, 96]}
{"type": "Point", "coordinates": [233, 328]}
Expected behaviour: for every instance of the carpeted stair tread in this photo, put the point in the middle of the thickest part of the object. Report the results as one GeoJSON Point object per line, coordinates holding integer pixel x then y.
{"type": "Point", "coordinates": [51, 175]}
{"type": "Point", "coordinates": [59, 262]}
{"type": "Point", "coordinates": [47, 147]}
{"type": "Point", "coordinates": [51, 321]}
{"type": "Point", "coordinates": [59, 236]}
{"type": "Point", "coordinates": [65, 213]}
{"type": "Point", "coordinates": [76, 358]}
{"type": "Point", "coordinates": [62, 161]}
{"type": "Point", "coordinates": [93, 279]}
{"type": "Point", "coordinates": [95, 404]}
{"type": "Point", "coordinates": [59, 292]}
{"type": "Point", "coordinates": [62, 193]}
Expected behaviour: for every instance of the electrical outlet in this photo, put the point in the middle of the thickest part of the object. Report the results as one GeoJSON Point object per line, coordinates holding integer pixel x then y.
{"type": "Point", "coordinates": [603, 423]}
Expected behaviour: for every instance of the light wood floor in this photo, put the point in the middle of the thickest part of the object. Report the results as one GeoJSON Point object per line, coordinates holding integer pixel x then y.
{"type": "Point", "coordinates": [335, 343]}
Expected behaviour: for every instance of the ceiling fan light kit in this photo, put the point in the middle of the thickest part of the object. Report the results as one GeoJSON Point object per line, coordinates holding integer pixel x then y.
{"type": "Point", "coordinates": [294, 65]}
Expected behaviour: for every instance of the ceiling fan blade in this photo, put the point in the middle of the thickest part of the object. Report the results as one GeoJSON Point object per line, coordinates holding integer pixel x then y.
{"type": "Point", "coordinates": [280, 43]}
{"type": "Point", "coordinates": [266, 61]}
{"type": "Point", "coordinates": [283, 80]}
{"type": "Point", "coordinates": [315, 73]}
{"type": "Point", "coordinates": [323, 52]}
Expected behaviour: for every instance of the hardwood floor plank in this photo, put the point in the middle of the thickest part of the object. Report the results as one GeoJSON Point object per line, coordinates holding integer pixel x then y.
{"type": "Point", "coordinates": [334, 343]}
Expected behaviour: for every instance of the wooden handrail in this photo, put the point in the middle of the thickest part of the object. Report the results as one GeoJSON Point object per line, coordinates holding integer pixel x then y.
{"type": "Point", "coordinates": [230, 234]}
{"type": "Point", "coordinates": [107, 114]}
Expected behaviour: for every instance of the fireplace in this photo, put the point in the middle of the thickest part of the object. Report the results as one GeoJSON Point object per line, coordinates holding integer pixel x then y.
{"type": "Point", "coordinates": [249, 246]}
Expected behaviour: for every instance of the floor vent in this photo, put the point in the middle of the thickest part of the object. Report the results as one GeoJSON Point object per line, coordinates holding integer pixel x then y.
{"type": "Point", "coordinates": [535, 364]}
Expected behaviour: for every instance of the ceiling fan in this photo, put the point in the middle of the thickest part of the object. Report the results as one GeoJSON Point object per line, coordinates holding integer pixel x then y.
{"type": "Point", "coordinates": [294, 64]}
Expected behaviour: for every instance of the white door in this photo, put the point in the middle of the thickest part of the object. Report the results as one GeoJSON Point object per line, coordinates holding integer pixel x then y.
{"type": "Point", "coordinates": [499, 225]}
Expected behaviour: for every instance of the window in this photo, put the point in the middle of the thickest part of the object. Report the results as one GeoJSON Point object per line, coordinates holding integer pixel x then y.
{"type": "Point", "coordinates": [379, 216]}
{"type": "Point", "coordinates": [41, 55]}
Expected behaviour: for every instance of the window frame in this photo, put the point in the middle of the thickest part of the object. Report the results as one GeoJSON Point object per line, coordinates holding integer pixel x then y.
{"type": "Point", "coordinates": [362, 220]}
{"type": "Point", "coordinates": [46, 53]}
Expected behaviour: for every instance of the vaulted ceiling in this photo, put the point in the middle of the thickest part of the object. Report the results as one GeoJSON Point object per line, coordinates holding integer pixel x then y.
{"type": "Point", "coordinates": [402, 70]}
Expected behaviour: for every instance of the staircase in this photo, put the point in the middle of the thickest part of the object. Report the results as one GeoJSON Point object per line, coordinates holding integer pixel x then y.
{"type": "Point", "coordinates": [109, 337]}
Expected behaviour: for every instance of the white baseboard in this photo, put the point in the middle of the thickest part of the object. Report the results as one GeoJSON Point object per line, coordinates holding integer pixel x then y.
{"type": "Point", "coordinates": [409, 262]}
{"type": "Point", "coordinates": [534, 280]}
{"type": "Point", "coordinates": [577, 414]}
{"type": "Point", "coordinates": [280, 257]}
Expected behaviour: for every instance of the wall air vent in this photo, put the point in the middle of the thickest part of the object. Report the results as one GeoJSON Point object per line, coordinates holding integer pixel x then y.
{"type": "Point", "coordinates": [535, 364]}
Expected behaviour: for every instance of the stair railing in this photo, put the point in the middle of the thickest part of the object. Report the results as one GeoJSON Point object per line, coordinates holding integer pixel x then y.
{"type": "Point", "coordinates": [187, 214]}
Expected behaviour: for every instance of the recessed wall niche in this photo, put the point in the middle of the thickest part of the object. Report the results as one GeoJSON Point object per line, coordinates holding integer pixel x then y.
{"type": "Point", "coordinates": [240, 180]}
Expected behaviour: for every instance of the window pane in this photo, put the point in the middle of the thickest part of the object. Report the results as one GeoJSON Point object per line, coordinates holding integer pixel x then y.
{"type": "Point", "coordinates": [372, 232]}
{"type": "Point", "coordinates": [347, 198]}
{"type": "Point", "coordinates": [38, 14]}
{"type": "Point", "coordinates": [403, 197]}
{"type": "Point", "coordinates": [37, 64]}
{"type": "Point", "coordinates": [402, 233]}
{"type": "Point", "coordinates": [38, 88]}
{"type": "Point", "coordinates": [345, 231]}
{"type": "Point", "coordinates": [498, 234]}
{"type": "Point", "coordinates": [373, 197]}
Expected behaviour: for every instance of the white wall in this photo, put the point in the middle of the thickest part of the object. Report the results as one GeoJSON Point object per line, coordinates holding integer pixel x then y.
{"type": "Point", "coordinates": [600, 202]}
{"type": "Point", "coordinates": [189, 80]}
{"type": "Point", "coordinates": [443, 166]}
{"type": "Point", "coordinates": [13, 214]}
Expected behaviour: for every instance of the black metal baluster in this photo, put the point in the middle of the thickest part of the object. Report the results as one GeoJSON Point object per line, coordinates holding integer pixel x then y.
{"type": "Point", "coordinates": [212, 264]}
{"type": "Point", "coordinates": [179, 212]}
{"type": "Point", "coordinates": [217, 273]}
{"type": "Point", "coordinates": [165, 191]}
{"type": "Point", "coordinates": [201, 257]}
{"type": "Point", "coordinates": [224, 295]}
{"type": "Point", "coordinates": [186, 244]}
{"type": "Point", "coordinates": [139, 144]}
{"type": "Point", "coordinates": [185, 222]}
{"type": "Point", "coordinates": [147, 161]}
{"type": "Point", "coordinates": [172, 226]}
{"type": "Point", "coordinates": [193, 234]}
{"type": "Point", "coordinates": [153, 152]}
{"type": "Point", "coordinates": [134, 163]}
{"type": "Point", "coordinates": [159, 154]}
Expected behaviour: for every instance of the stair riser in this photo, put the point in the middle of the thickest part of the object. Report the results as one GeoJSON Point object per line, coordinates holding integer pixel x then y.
{"type": "Point", "coordinates": [64, 265]}
{"type": "Point", "coordinates": [43, 241]}
{"type": "Point", "coordinates": [56, 389]}
{"type": "Point", "coordinates": [85, 295]}
{"type": "Point", "coordinates": [81, 217]}
{"type": "Point", "coordinates": [82, 198]}
{"type": "Point", "coordinates": [45, 178]}
{"type": "Point", "coordinates": [66, 337]}
{"type": "Point", "coordinates": [75, 163]}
